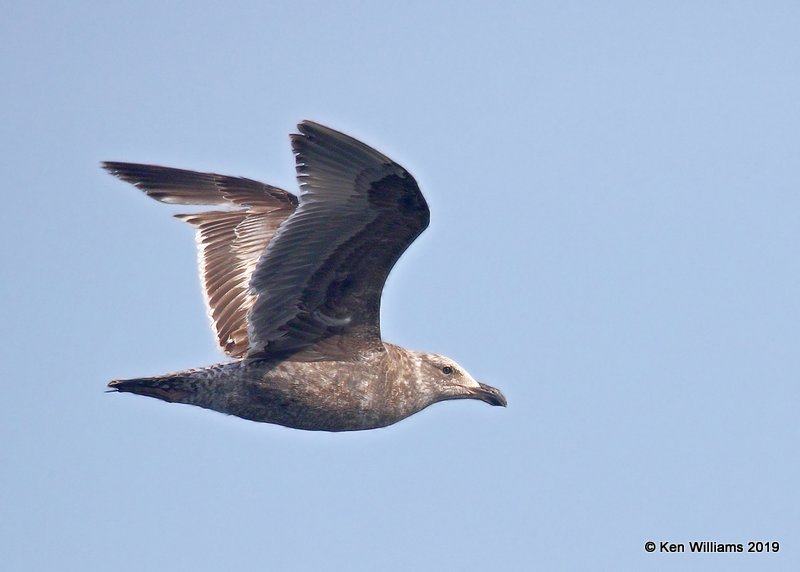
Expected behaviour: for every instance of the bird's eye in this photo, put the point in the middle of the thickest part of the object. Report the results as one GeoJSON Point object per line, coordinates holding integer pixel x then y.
{"type": "Point", "coordinates": [447, 370]}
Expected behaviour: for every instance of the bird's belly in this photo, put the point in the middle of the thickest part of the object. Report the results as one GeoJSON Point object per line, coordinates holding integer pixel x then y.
{"type": "Point", "coordinates": [315, 397]}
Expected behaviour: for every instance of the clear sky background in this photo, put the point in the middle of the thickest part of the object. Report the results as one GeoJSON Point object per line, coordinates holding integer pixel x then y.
{"type": "Point", "coordinates": [615, 201]}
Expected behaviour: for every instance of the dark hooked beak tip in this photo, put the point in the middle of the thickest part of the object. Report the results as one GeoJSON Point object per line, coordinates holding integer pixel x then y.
{"type": "Point", "coordinates": [490, 395]}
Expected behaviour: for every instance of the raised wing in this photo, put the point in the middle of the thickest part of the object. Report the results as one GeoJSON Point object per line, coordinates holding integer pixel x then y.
{"type": "Point", "coordinates": [229, 242]}
{"type": "Point", "coordinates": [319, 282]}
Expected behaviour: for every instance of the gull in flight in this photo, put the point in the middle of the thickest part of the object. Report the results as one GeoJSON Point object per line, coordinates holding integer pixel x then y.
{"type": "Point", "coordinates": [293, 289]}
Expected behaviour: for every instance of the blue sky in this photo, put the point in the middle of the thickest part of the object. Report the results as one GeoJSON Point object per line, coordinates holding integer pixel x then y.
{"type": "Point", "coordinates": [615, 206]}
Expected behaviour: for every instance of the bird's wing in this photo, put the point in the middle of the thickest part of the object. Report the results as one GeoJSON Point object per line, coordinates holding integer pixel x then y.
{"type": "Point", "coordinates": [229, 242]}
{"type": "Point", "coordinates": [318, 284]}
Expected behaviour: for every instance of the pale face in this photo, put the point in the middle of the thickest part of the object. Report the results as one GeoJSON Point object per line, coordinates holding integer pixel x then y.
{"type": "Point", "coordinates": [451, 381]}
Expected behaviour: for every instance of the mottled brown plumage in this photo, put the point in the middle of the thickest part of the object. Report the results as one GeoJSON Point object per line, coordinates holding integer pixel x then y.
{"type": "Point", "coordinates": [293, 290]}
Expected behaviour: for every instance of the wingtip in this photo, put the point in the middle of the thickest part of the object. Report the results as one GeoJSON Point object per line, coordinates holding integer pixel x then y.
{"type": "Point", "coordinates": [309, 128]}
{"type": "Point", "coordinates": [306, 123]}
{"type": "Point", "coordinates": [114, 168]}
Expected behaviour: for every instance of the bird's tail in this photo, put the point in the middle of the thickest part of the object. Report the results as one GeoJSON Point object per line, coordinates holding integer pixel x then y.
{"type": "Point", "coordinates": [171, 388]}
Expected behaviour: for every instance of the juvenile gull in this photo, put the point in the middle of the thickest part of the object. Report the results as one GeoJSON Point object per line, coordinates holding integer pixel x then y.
{"type": "Point", "coordinates": [293, 289]}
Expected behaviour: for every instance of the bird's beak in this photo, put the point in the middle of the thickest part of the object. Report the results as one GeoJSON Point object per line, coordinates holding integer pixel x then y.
{"type": "Point", "coordinates": [489, 394]}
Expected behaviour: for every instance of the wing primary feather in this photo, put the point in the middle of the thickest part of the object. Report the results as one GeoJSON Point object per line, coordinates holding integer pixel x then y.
{"type": "Point", "coordinates": [229, 242]}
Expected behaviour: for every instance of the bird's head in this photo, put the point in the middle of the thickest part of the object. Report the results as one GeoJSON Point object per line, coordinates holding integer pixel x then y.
{"type": "Point", "coordinates": [446, 379]}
